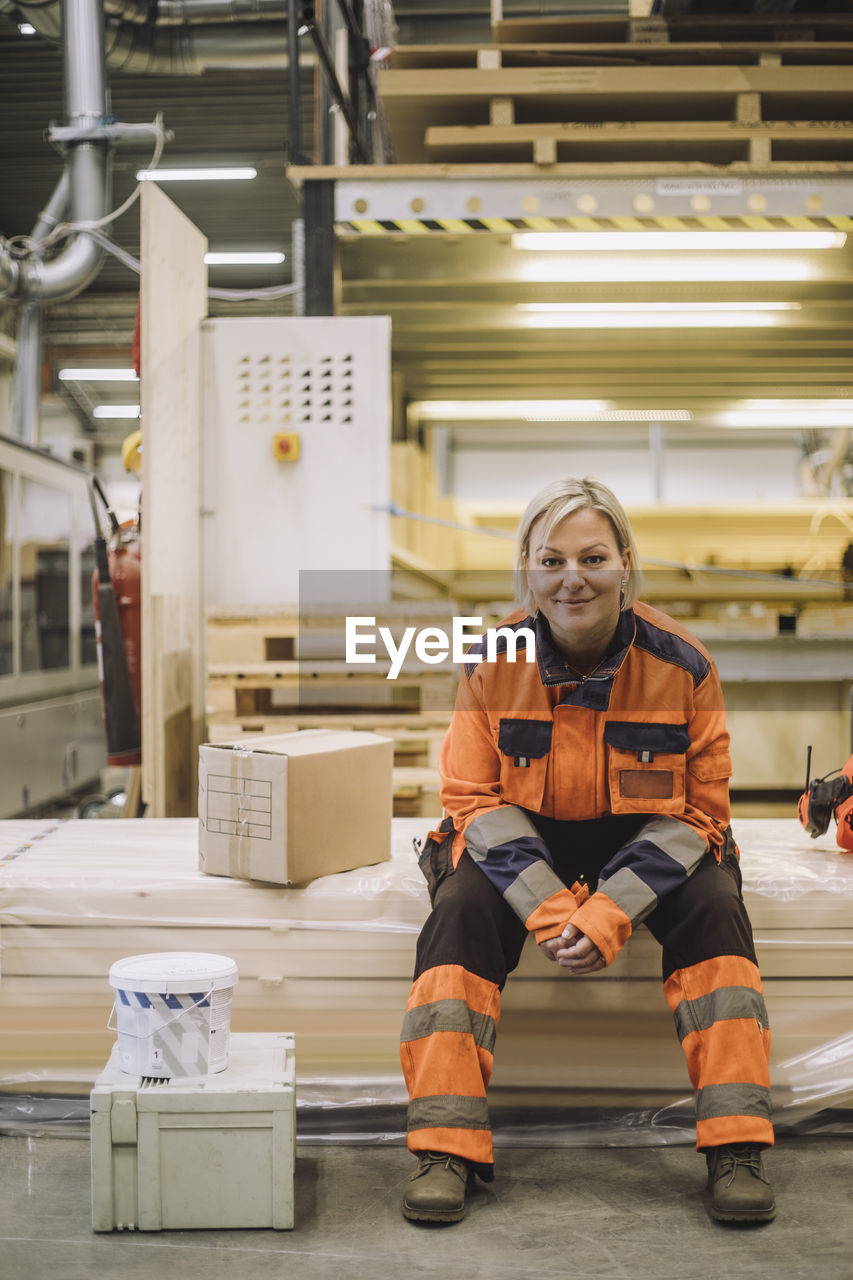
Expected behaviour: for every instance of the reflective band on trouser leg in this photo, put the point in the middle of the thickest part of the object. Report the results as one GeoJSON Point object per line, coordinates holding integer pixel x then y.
{"type": "Point", "coordinates": [446, 1053]}
{"type": "Point", "coordinates": [722, 1023]}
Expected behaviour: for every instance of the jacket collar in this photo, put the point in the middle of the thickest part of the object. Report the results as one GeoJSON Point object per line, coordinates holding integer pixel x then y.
{"type": "Point", "coordinates": [554, 669]}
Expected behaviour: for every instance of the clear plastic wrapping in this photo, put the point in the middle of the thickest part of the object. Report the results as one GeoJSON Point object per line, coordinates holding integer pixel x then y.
{"type": "Point", "coordinates": [578, 1062]}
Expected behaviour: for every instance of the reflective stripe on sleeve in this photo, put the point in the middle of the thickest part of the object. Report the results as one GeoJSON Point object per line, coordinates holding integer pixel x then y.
{"type": "Point", "coordinates": [631, 894]}
{"type": "Point", "coordinates": [683, 844]}
{"type": "Point", "coordinates": [531, 888]}
{"type": "Point", "coordinates": [496, 827]}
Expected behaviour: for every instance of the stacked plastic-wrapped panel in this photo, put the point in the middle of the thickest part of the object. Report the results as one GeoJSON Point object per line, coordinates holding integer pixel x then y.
{"type": "Point", "coordinates": [332, 961]}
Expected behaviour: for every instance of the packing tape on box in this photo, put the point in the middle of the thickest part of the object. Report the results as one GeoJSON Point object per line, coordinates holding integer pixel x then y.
{"type": "Point", "coordinates": [239, 858]}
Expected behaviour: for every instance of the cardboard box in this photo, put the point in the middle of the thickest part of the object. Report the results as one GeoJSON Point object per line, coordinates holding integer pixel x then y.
{"type": "Point", "coordinates": [203, 1152]}
{"type": "Point", "coordinates": [289, 808]}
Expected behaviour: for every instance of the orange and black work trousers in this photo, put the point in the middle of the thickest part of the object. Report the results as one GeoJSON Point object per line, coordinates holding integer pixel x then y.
{"type": "Point", "coordinates": [472, 941]}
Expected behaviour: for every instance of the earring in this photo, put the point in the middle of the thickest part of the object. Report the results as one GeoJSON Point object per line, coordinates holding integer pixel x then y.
{"type": "Point", "coordinates": [622, 587]}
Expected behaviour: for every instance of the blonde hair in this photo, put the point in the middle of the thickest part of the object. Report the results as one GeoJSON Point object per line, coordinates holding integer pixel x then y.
{"type": "Point", "coordinates": [562, 498]}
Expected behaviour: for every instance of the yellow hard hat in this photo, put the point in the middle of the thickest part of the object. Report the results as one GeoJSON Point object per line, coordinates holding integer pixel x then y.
{"type": "Point", "coordinates": [131, 452]}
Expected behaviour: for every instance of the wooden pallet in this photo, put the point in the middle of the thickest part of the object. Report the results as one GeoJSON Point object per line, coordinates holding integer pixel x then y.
{"type": "Point", "coordinates": [758, 146]}
{"type": "Point", "coordinates": [676, 28]}
{"type": "Point", "coordinates": [265, 689]}
{"type": "Point", "coordinates": [235, 636]}
{"type": "Point", "coordinates": [601, 54]}
{"type": "Point", "coordinates": [752, 117]}
{"type": "Point", "coordinates": [416, 738]}
{"type": "Point", "coordinates": [272, 638]}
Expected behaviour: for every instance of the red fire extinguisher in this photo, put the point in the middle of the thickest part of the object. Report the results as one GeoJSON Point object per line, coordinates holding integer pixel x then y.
{"type": "Point", "coordinates": [117, 598]}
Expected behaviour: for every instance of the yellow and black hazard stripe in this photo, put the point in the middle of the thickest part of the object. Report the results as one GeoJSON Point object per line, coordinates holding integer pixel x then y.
{"type": "Point", "coordinates": [467, 226]}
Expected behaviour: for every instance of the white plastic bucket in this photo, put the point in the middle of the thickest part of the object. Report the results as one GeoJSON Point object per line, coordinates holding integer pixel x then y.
{"type": "Point", "coordinates": [173, 1013]}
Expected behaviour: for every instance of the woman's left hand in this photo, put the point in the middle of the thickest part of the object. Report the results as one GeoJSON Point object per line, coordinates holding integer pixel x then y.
{"type": "Point", "coordinates": [574, 951]}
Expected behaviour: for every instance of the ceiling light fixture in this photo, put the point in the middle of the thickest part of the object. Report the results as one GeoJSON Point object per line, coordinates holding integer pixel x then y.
{"type": "Point", "coordinates": [243, 259]}
{"type": "Point", "coordinates": [790, 413]}
{"type": "Point", "coordinates": [506, 410]}
{"type": "Point", "coordinates": [116, 411]}
{"type": "Point", "coordinates": [97, 375]}
{"type": "Point", "coordinates": [642, 308]}
{"type": "Point", "coordinates": [619, 415]}
{"type": "Point", "coordinates": [540, 411]}
{"type": "Point", "coordinates": [197, 175]}
{"type": "Point", "coordinates": [620, 241]}
{"type": "Point", "coordinates": [646, 319]}
{"type": "Point", "coordinates": [598, 268]}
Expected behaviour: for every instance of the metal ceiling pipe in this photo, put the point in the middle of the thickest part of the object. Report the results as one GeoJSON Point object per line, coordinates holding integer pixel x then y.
{"type": "Point", "coordinates": [185, 37]}
{"type": "Point", "coordinates": [191, 12]}
{"type": "Point", "coordinates": [166, 12]}
{"type": "Point", "coordinates": [27, 394]}
{"type": "Point", "coordinates": [193, 50]}
{"type": "Point", "coordinates": [87, 164]}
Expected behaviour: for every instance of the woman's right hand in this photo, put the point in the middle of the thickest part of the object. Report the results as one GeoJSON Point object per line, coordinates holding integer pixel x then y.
{"type": "Point", "coordinates": [574, 952]}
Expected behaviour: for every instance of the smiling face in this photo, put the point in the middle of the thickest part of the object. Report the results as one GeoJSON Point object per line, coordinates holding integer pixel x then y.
{"type": "Point", "coordinates": [575, 575]}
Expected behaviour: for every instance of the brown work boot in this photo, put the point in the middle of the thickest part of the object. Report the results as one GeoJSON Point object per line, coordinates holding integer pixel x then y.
{"type": "Point", "coordinates": [736, 1179]}
{"type": "Point", "coordinates": [436, 1191]}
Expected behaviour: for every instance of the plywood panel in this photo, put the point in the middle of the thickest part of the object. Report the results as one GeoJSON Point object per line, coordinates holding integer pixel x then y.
{"type": "Point", "coordinates": [174, 302]}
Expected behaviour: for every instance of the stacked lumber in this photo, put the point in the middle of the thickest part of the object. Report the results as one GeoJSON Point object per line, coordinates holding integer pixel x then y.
{"type": "Point", "coordinates": [332, 962]}
{"type": "Point", "coordinates": [286, 665]}
{"type": "Point", "coordinates": [677, 24]}
{"type": "Point", "coordinates": [641, 92]}
{"type": "Point", "coordinates": [276, 672]}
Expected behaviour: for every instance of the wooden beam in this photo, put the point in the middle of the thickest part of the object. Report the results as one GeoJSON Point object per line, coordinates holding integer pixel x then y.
{"type": "Point", "coordinates": [174, 302]}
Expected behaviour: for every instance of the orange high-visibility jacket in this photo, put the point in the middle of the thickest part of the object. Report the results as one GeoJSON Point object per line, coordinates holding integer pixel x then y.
{"type": "Point", "coordinates": [645, 733]}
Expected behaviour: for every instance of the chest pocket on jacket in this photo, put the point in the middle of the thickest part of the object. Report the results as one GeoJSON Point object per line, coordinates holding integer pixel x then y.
{"type": "Point", "coordinates": [646, 766]}
{"type": "Point", "coordinates": [525, 746]}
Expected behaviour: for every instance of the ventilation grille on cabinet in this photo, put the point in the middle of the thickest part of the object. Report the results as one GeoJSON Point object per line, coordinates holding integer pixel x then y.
{"type": "Point", "coordinates": [289, 394]}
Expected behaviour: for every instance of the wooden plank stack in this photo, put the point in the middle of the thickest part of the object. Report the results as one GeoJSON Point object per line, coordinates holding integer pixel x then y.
{"type": "Point", "coordinates": [332, 962]}
{"type": "Point", "coordinates": [259, 680]}
{"type": "Point", "coordinates": [646, 93]}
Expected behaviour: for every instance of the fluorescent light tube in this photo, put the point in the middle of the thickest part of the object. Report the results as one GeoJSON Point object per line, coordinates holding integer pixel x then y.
{"type": "Point", "coordinates": [652, 320]}
{"type": "Point", "coordinates": [801, 420]}
{"type": "Point", "coordinates": [619, 415]}
{"type": "Point", "coordinates": [620, 241]}
{"type": "Point", "coordinates": [242, 259]}
{"type": "Point", "coordinates": [97, 375]}
{"type": "Point", "coordinates": [596, 268]}
{"type": "Point", "coordinates": [507, 410]}
{"type": "Point", "coordinates": [640, 308]}
{"type": "Point", "coordinates": [116, 411]}
{"type": "Point", "coordinates": [197, 175]}
{"type": "Point", "coordinates": [790, 413]}
{"type": "Point", "coordinates": [540, 411]}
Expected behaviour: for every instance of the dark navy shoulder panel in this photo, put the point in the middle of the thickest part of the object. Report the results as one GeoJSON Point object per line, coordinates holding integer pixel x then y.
{"type": "Point", "coordinates": [671, 648]}
{"type": "Point", "coordinates": [501, 643]}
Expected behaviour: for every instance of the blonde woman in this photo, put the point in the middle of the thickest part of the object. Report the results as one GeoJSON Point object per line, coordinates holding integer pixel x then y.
{"type": "Point", "coordinates": [584, 793]}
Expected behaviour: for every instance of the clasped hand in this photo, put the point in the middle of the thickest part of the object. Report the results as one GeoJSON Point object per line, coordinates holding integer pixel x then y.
{"type": "Point", "coordinates": [574, 951]}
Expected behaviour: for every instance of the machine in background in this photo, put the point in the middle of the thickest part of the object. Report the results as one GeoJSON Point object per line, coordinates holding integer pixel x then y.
{"type": "Point", "coordinates": [827, 798]}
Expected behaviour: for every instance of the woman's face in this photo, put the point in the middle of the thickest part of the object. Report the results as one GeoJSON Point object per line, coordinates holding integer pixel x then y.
{"type": "Point", "coordinates": [575, 576]}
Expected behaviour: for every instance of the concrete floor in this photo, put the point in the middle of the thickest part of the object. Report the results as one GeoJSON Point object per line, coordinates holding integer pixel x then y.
{"type": "Point", "coordinates": [619, 1213]}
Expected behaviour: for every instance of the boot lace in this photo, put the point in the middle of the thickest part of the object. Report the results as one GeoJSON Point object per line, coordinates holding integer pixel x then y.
{"type": "Point", "coordinates": [455, 1164]}
{"type": "Point", "coordinates": [730, 1158]}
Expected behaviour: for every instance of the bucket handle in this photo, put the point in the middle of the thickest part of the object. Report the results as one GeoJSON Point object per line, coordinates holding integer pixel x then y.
{"type": "Point", "coordinates": [196, 1004]}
